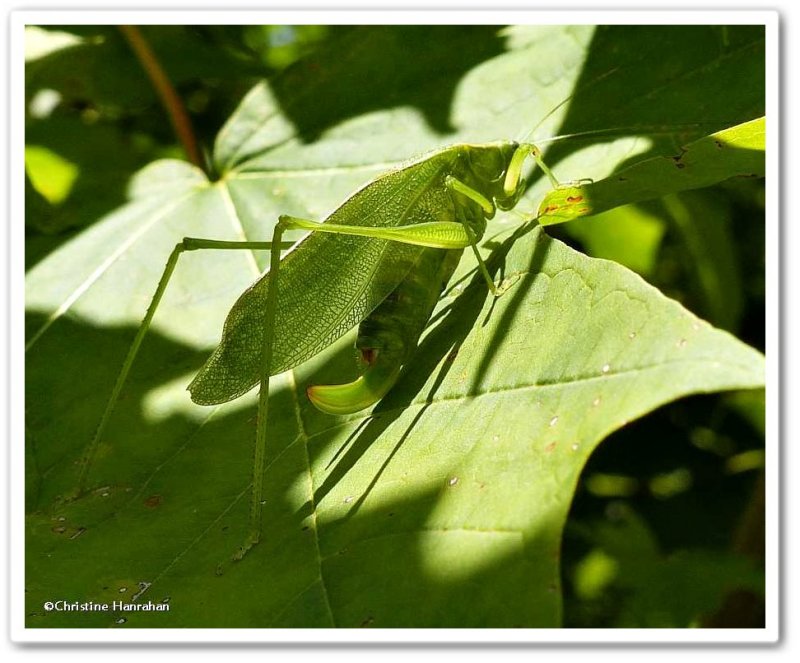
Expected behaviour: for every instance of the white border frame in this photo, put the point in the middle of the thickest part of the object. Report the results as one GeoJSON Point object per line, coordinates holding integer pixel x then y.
{"type": "Point", "coordinates": [18, 631]}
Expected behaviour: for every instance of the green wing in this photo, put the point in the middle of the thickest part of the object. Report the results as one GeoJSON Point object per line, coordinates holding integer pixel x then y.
{"type": "Point", "coordinates": [328, 283]}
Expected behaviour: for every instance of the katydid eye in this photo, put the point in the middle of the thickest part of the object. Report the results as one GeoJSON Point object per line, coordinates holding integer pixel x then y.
{"type": "Point", "coordinates": [487, 165]}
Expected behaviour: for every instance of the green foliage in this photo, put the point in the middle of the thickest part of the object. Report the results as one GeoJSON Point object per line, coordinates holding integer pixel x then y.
{"type": "Point", "coordinates": [734, 152]}
{"type": "Point", "coordinates": [642, 587]}
{"type": "Point", "coordinates": [447, 506]}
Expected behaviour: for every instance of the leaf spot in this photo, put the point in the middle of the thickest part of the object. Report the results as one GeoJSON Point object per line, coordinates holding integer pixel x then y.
{"type": "Point", "coordinates": [453, 481]}
{"type": "Point", "coordinates": [554, 421]}
{"type": "Point", "coordinates": [606, 368]}
{"type": "Point", "coordinates": [153, 501]}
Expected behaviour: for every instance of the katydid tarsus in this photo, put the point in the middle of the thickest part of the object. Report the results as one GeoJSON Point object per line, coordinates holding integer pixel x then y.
{"type": "Point", "coordinates": [401, 235]}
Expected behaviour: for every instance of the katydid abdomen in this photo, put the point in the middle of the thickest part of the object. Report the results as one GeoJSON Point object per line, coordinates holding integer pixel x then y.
{"type": "Point", "coordinates": [389, 335]}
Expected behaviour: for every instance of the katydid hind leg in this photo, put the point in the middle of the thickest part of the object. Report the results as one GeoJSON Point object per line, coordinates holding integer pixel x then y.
{"type": "Point", "coordinates": [431, 234]}
{"type": "Point", "coordinates": [187, 244]}
{"type": "Point", "coordinates": [260, 449]}
{"type": "Point", "coordinates": [89, 452]}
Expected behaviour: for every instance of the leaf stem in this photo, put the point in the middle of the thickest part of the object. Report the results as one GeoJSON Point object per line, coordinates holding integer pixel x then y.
{"type": "Point", "coordinates": [169, 97]}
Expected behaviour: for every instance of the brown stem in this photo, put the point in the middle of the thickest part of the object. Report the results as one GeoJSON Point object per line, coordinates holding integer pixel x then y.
{"type": "Point", "coordinates": [169, 97]}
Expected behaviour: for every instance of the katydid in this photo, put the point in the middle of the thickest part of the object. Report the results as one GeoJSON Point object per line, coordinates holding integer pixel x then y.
{"type": "Point", "coordinates": [380, 259]}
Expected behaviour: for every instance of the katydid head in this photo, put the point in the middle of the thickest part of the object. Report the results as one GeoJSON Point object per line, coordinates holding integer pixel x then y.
{"type": "Point", "coordinates": [489, 162]}
{"type": "Point", "coordinates": [487, 168]}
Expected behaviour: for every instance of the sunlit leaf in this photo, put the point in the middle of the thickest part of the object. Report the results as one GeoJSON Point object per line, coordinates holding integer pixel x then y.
{"type": "Point", "coordinates": [734, 152]}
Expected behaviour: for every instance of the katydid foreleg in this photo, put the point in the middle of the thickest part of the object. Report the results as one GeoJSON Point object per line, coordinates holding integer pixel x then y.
{"type": "Point", "coordinates": [514, 185]}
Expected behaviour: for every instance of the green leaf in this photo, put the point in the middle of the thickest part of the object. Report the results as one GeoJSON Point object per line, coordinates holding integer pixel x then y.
{"type": "Point", "coordinates": [630, 235]}
{"type": "Point", "coordinates": [446, 507]}
{"type": "Point", "coordinates": [699, 223]}
{"type": "Point", "coordinates": [461, 482]}
{"type": "Point", "coordinates": [702, 220]}
{"type": "Point", "coordinates": [51, 175]}
{"type": "Point", "coordinates": [734, 152]}
{"type": "Point", "coordinates": [98, 160]}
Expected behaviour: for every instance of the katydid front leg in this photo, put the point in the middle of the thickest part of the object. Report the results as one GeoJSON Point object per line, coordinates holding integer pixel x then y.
{"type": "Point", "coordinates": [513, 187]}
{"type": "Point", "coordinates": [513, 184]}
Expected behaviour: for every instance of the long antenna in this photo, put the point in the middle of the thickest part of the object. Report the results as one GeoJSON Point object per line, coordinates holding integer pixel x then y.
{"type": "Point", "coordinates": [642, 129]}
{"type": "Point", "coordinates": [567, 99]}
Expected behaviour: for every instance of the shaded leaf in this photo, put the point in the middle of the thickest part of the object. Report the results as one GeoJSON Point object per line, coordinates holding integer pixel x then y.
{"type": "Point", "coordinates": [650, 589]}
{"type": "Point", "coordinates": [702, 219]}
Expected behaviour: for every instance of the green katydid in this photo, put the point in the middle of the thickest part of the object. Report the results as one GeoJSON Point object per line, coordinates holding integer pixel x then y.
{"type": "Point", "coordinates": [381, 259]}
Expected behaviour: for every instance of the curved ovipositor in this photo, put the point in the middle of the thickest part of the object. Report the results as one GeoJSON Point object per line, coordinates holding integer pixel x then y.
{"type": "Point", "coordinates": [389, 335]}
